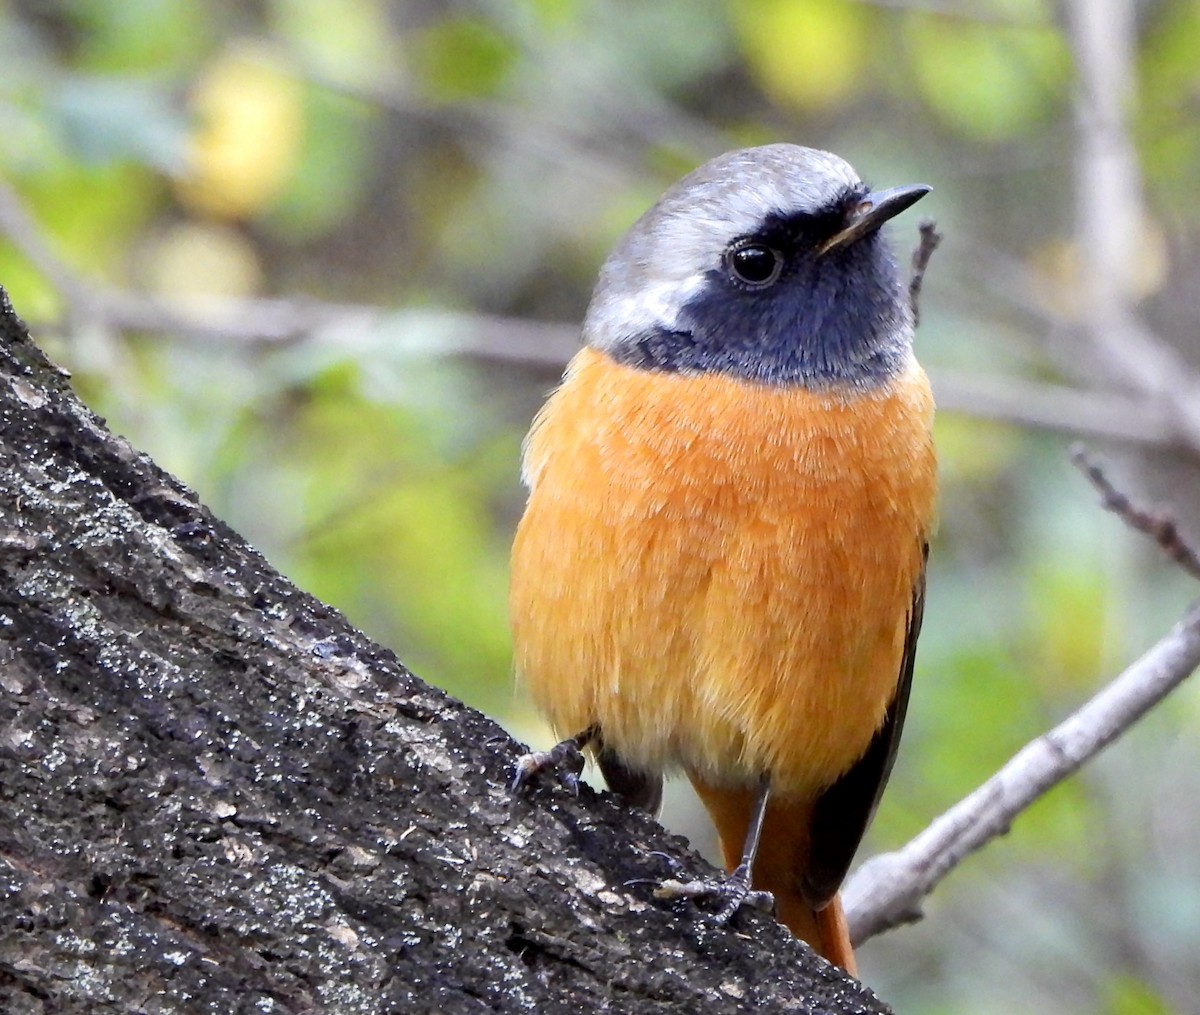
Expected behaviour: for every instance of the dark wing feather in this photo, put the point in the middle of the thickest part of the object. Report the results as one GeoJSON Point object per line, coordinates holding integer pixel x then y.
{"type": "Point", "coordinates": [843, 812]}
{"type": "Point", "coordinates": [637, 789]}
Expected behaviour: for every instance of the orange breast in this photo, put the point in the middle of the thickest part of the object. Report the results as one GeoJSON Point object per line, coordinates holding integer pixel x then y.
{"type": "Point", "coordinates": [719, 573]}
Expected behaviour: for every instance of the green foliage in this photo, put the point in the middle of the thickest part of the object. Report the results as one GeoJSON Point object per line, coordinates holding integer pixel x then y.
{"type": "Point", "coordinates": [350, 42]}
{"type": "Point", "coordinates": [1170, 76]}
{"type": "Point", "coordinates": [1128, 996]}
{"type": "Point", "coordinates": [332, 167]}
{"type": "Point", "coordinates": [138, 35]}
{"type": "Point", "coordinates": [461, 58]}
{"type": "Point", "coordinates": [985, 81]}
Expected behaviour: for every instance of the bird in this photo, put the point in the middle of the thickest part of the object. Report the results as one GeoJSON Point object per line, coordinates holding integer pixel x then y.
{"type": "Point", "coordinates": [720, 567]}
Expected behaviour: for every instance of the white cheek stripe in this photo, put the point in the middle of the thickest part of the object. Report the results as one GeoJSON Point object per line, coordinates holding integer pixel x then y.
{"type": "Point", "coordinates": [655, 306]}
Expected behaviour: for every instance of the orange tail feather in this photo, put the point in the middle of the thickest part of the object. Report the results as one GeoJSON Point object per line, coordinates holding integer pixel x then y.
{"type": "Point", "coordinates": [835, 936]}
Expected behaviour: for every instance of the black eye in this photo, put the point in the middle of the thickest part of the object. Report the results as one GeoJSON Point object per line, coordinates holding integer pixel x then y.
{"type": "Point", "coordinates": [755, 264]}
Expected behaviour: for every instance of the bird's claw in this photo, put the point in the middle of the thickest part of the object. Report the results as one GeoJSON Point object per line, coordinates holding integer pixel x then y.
{"type": "Point", "coordinates": [732, 892]}
{"type": "Point", "coordinates": [672, 863]}
{"type": "Point", "coordinates": [565, 759]}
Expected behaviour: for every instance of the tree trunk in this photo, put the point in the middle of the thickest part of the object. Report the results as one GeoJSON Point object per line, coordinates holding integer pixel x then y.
{"type": "Point", "coordinates": [217, 796]}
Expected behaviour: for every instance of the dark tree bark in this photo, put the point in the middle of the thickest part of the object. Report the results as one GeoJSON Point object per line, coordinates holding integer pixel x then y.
{"type": "Point", "coordinates": [217, 796]}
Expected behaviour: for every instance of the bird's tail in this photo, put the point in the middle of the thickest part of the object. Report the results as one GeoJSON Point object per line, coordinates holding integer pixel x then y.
{"type": "Point", "coordinates": [835, 936]}
{"type": "Point", "coordinates": [782, 856]}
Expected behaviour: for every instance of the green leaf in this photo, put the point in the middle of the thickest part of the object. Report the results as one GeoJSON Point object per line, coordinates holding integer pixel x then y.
{"type": "Point", "coordinates": [461, 58]}
{"type": "Point", "coordinates": [139, 34]}
{"type": "Point", "coordinates": [1124, 995]}
{"type": "Point", "coordinates": [986, 81]}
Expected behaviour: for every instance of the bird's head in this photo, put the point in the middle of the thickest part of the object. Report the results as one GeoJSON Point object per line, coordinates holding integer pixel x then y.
{"type": "Point", "coordinates": [765, 264]}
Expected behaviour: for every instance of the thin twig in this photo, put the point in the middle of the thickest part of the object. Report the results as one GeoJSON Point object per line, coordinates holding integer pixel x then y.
{"type": "Point", "coordinates": [888, 889]}
{"type": "Point", "coordinates": [1159, 526]}
{"type": "Point", "coordinates": [930, 238]}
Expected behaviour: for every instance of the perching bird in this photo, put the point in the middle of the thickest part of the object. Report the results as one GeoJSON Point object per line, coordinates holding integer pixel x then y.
{"type": "Point", "coordinates": [721, 565]}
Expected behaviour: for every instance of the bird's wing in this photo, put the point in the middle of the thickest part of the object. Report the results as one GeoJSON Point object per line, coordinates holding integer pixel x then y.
{"type": "Point", "coordinates": [638, 789]}
{"type": "Point", "coordinates": [843, 812]}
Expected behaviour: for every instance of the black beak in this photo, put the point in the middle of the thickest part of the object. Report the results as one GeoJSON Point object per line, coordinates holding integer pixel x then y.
{"type": "Point", "coordinates": [872, 212]}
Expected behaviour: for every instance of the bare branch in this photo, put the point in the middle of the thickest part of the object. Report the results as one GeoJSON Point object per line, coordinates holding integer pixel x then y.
{"type": "Point", "coordinates": [1131, 419]}
{"type": "Point", "coordinates": [1159, 526]}
{"type": "Point", "coordinates": [930, 238]}
{"type": "Point", "coordinates": [888, 890]}
{"type": "Point", "coordinates": [1105, 415]}
{"type": "Point", "coordinates": [1109, 213]}
{"type": "Point", "coordinates": [280, 321]}
{"type": "Point", "coordinates": [257, 321]}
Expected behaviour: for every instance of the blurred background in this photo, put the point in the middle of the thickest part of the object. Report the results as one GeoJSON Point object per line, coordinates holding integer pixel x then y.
{"type": "Point", "coordinates": [324, 260]}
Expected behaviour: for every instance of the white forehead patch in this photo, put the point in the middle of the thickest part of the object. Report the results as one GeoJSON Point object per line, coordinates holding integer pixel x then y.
{"type": "Point", "coordinates": [661, 262]}
{"type": "Point", "coordinates": [733, 193]}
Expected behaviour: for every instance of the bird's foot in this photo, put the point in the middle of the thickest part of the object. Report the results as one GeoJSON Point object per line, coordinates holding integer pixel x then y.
{"type": "Point", "coordinates": [732, 893]}
{"type": "Point", "coordinates": [564, 759]}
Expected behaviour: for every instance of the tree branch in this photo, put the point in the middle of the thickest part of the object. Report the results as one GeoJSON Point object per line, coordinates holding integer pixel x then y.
{"type": "Point", "coordinates": [1103, 415]}
{"type": "Point", "coordinates": [1109, 213]}
{"type": "Point", "coordinates": [257, 321]}
{"type": "Point", "coordinates": [888, 890]}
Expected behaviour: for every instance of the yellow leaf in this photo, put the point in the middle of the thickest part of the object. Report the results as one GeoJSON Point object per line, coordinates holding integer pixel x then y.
{"type": "Point", "coordinates": [809, 54]}
{"type": "Point", "coordinates": [249, 125]}
{"type": "Point", "coordinates": [203, 259]}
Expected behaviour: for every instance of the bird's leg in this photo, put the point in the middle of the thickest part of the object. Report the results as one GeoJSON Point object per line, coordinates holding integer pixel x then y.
{"type": "Point", "coordinates": [734, 891]}
{"type": "Point", "coordinates": [566, 759]}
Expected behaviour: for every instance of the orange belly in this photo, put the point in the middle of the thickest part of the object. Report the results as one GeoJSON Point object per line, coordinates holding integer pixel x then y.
{"type": "Point", "coordinates": [719, 573]}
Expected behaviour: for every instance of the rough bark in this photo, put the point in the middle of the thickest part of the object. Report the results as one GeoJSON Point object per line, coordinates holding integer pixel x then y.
{"type": "Point", "coordinates": [218, 796]}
